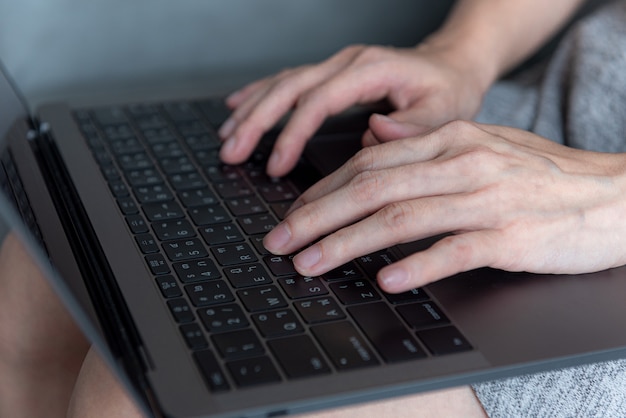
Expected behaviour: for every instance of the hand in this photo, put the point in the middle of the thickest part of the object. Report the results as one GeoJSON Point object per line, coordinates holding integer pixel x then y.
{"type": "Point", "coordinates": [512, 201]}
{"type": "Point", "coordinates": [427, 86]}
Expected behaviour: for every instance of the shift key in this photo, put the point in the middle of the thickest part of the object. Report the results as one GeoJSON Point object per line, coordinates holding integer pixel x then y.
{"type": "Point", "coordinates": [344, 345]}
{"type": "Point", "coordinates": [386, 332]}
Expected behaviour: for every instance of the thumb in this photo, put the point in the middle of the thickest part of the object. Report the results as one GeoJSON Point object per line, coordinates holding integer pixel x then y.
{"type": "Point", "coordinates": [389, 128]}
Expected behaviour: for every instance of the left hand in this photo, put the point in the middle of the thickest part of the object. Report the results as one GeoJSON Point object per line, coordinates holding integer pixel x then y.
{"type": "Point", "coordinates": [511, 199]}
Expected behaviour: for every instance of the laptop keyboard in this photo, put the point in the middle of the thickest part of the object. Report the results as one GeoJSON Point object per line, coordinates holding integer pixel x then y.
{"type": "Point", "coordinates": [246, 316]}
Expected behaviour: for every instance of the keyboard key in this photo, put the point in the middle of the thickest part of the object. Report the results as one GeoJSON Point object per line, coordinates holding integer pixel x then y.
{"type": "Point", "coordinates": [245, 206]}
{"type": "Point", "coordinates": [223, 318]}
{"type": "Point", "coordinates": [181, 311]}
{"type": "Point", "coordinates": [194, 337]}
{"type": "Point", "coordinates": [238, 344]}
{"type": "Point", "coordinates": [162, 211]}
{"type": "Point", "coordinates": [221, 234]}
{"type": "Point", "coordinates": [187, 181]}
{"type": "Point", "coordinates": [319, 310]}
{"type": "Point", "coordinates": [253, 371]}
{"type": "Point", "coordinates": [177, 229]}
{"type": "Point", "coordinates": [137, 224]}
{"type": "Point", "coordinates": [153, 193]}
{"type": "Point", "coordinates": [355, 291]}
{"type": "Point", "coordinates": [277, 323]}
{"type": "Point", "coordinates": [228, 255]}
{"type": "Point", "coordinates": [386, 332]}
{"type": "Point", "coordinates": [197, 197]}
{"type": "Point", "coordinates": [169, 287]}
{"type": "Point", "coordinates": [157, 264]}
{"type": "Point", "coordinates": [344, 345]}
{"type": "Point", "coordinates": [299, 287]}
{"type": "Point", "coordinates": [231, 189]}
{"type": "Point", "coordinates": [262, 298]}
{"type": "Point", "coordinates": [213, 375]}
{"type": "Point", "coordinates": [278, 192]}
{"type": "Point", "coordinates": [188, 249]}
{"type": "Point", "coordinates": [372, 263]}
{"type": "Point", "coordinates": [209, 215]}
{"type": "Point", "coordinates": [196, 270]}
{"type": "Point", "coordinates": [347, 271]}
{"type": "Point", "coordinates": [280, 265]}
{"type": "Point", "coordinates": [422, 315]}
{"type": "Point", "coordinates": [298, 356]}
{"type": "Point", "coordinates": [247, 275]}
{"type": "Point", "coordinates": [147, 243]}
{"type": "Point", "coordinates": [209, 293]}
{"type": "Point", "coordinates": [257, 224]}
{"type": "Point", "coordinates": [445, 340]}
{"type": "Point", "coordinates": [413, 295]}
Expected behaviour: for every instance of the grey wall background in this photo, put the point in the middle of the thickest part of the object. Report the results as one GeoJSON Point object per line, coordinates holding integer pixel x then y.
{"type": "Point", "coordinates": [60, 48]}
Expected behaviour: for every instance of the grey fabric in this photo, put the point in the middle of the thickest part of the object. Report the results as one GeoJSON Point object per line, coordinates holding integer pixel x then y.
{"type": "Point", "coordinates": [577, 98]}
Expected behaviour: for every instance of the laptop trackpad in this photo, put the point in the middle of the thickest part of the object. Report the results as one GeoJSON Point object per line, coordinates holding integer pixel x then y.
{"type": "Point", "coordinates": [328, 152]}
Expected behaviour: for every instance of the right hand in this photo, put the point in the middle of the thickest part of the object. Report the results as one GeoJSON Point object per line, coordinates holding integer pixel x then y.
{"type": "Point", "coordinates": [427, 86]}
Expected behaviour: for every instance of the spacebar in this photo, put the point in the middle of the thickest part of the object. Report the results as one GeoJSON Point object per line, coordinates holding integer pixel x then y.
{"type": "Point", "coordinates": [386, 332]}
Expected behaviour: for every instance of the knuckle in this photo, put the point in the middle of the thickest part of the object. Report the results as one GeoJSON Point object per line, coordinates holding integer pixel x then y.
{"type": "Point", "coordinates": [396, 216]}
{"type": "Point", "coordinates": [364, 160]}
{"type": "Point", "coordinates": [365, 186]}
{"type": "Point", "coordinates": [460, 251]}
{"type": "Point", "coordinates": [373, 53]}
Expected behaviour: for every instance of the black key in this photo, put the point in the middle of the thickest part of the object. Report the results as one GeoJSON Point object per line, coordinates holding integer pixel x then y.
{"type": "Point", "coordinates": [215, 110]}
{"type": "Point", "coordinates": [209, 293]}
{"type": "Point", "coordinates": [179, 111]}
{"type": "Point", "coordinates": [277, 192]}
{"type": "Point", "coordinates": [298, 356]}
{"type": "Point", "coordinates": [191, 127]}
{"type": "Point", "coordinates": [386, 332]}
{"type": "Point", "coordinates": [180, 310]}
{"type": "Point", "coordinates": [344, 345]}
{"type": "Point", "coordinates": [176, 165]}
{"type": "Point", "coordinates": [196, 270]}
{"type": "Point", "coordinates": [203, 142]}
{"type": "Point", "coordinates": [188, 249]}
{"type": "Point", "coordinates": [413, 295]}
{"type": "Point", "coordinates": [230, 189]}
{"type": "Point", "coordinates": [169, 286]}
{"type": "Point", "coordinates": [355, 291]}
{"type": "Point", "coordinates": [194, 337]}
{"type": "Point", "coordinates": [127, 205]}
{"type": "Point", "coordinates": [253, 371]}
{"type": "Point", "coordinates": [197, 197]}
{"type": "Point", "coordinates": [223, 318]}
{"type": "Point", "coordinates": [372, 263]}
{"type": "Point", "coordinates": [187, 181]}
{"type": "Point", "coordinates": [211, 371]}
{"type": "Point", "coordinates": [238, 344]}
{"type": "Point", "coordinates": [280, 265]}
{"type": "Point", "coordinates": [319, 310]}
{"type": "Point", "coordinates": [209, 215]}
{"type": "Point", "coordinates": [299, 287]}
{"type": "Point", "coordinates": [347, 271]}
{"type": "Point", "coordinates": [280, 209]}
{"type": "Point", "coordinates": [135, 161]}
{"type": "Point", "coordinates": [173, 230]}
{"type": "Point", "coordinates": [158, 135]}
{"type": "Point", "coordinates": [137, 224]}
{"type": "Point", "coordinates": [171, 149]}
{"type": "Point", "coordinates": [262, 298]}
{"type": "Point", "coordinates": [118, 188]}
{"type": "Point", "coordinates": [110, 116]}
{"type": "Point", "coordinates": [445, 340]}
{"type": "Point", "coordinates": [228, 255]}
{"type": "Point", "coordinates": [162, 211]}
{"type": "Point", "coordinates": [245, 206]}
{"type": "Point", "coordinates": [221, 234]}
{"type": "Point", "coordinates": [147, 244]}
{"type": "Point", "coordinates": [257, 242]}
{"type": "Point", "coordinates": [145, 177]}
{"type": "Point", "coordinates": [154, 193]}
{"type": "Point", "coordinates": [157, 264]}
{"type": "Point", "coordinates": [247, 275]}
{"type": "Point", "coordinates": [422, 315]}
{"type": "Point", "coordinates": [125, 143]}
{"type": "Point", "coordinates": [221, 172]}
{"type": "Point", "coordinates": [257, 224]}
{"type": "Point", "coordinates": [277, 323]}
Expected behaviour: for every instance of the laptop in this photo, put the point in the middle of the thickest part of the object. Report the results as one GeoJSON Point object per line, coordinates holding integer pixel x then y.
{"type": "Point", "coordinates": [155, 248]}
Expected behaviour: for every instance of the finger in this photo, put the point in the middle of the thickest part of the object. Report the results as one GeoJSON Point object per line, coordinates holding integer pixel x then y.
{"type": "Point", "coordinates": [267, 104]}
{"type": "Point", "coordinates": [393, 127]}
{"type": "Point", "coordinates": [396, 223]}
{"type": "Point", "coordinates": [447, 257]}
{"type": "Point", "coordinates": [236, 98]}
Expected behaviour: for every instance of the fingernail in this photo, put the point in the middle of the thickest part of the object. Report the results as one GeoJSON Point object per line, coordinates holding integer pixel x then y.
{"type": "Point", "coordinates": [308, 258]}
{"type": "Point", "coordinates": [227, 128]}
{"type": "Point", "coordinates": [274, 161]}
{"type": "Point", "coordinates": [277, 238]}
{"type": "Point", "coordinates": [393, 278]}
{"type": "Point", "coordinates": [229, 146]}
{"type": "Point", "coordinates": [384, 118]}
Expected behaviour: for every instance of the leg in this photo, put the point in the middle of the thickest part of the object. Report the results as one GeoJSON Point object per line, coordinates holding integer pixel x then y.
{"type": "Point", "coordinates": [41, 349]}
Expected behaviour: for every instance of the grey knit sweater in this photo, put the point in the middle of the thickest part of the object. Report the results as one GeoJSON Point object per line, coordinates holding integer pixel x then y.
{"type": "Point", "coordinates": [578, 98]}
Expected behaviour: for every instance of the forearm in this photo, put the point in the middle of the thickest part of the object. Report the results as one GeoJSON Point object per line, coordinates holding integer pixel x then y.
{"type": "Point", "coordinates": [493, 36]}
